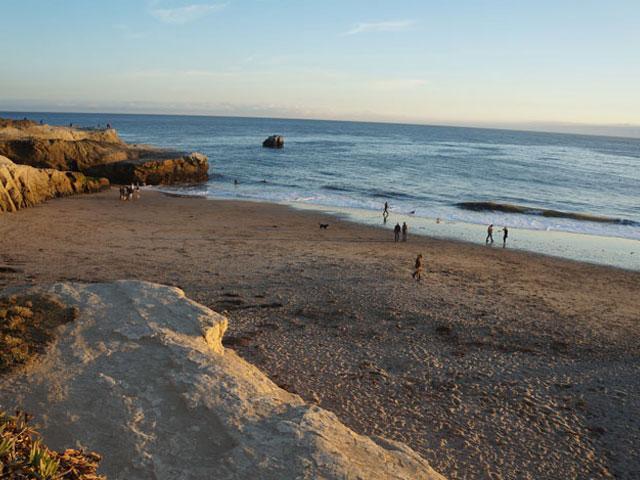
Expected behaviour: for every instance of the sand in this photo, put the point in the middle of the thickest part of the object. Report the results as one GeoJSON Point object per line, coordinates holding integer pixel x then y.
{"type": "Point", "coordinates": [499, 364]}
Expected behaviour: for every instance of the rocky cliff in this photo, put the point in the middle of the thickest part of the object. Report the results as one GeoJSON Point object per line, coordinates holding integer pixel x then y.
{"type": "Point", "coordinates": [142, 377]}
{"type": "Point", "coordinates": [24, 186]}
{"type": "Point", "coordinates": [97, 152]}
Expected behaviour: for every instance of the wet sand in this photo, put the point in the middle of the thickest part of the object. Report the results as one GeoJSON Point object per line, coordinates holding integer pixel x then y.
{"type": "Point", "coordinates": [499, 364]}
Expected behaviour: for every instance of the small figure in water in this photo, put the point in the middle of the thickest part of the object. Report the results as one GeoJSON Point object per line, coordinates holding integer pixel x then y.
{"type": "Point", "coordinates": [235, 182]}
{"type": "Point", "coordinates": [419, 267]}
{"type": "Point", "coordinates": [396, 232]}
{"type": "Point", "coordinates": [489, 234]}
{"type": "Point", "coordinates": [385, 212]}
{"type": "Point", "coordinates": [505, 235]}
{"type": "Point", "coordinates": [438, 220]}
{"type": "Point", "coordinates": [404, 231]}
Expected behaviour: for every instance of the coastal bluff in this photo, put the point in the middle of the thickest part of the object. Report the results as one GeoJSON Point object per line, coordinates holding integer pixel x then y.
{"type": "Point", "coordinates": [23, 186]}
{"type": "Point", "coordinates": [141, 376]}
{"type": "Point", "coordinates": [100, 153]}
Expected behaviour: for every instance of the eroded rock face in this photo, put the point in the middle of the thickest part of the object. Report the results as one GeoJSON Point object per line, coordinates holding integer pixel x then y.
{"type": "Point", "coordinates": [98, 153]}
{"type": "Point", "coordinates": [190, 168]}
{"type": "Point", "coordinates": [141, 376]}
{"type": "Point", "coordinates": [76, 155]}
{"type": "Point", "coordinates": [23, 186]}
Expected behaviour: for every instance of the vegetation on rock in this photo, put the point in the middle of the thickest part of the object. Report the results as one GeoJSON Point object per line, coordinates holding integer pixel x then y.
{"type": "Point", "coordinates": [26, 326]}
{"type": "Point", "coordinates": [23, 455]}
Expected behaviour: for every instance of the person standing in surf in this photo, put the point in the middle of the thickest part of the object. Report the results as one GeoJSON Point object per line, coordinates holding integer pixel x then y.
{"type": "Point", "coordinates": [385, 212]}
{"type": "Point", "coordinates": [404, 231]}
{"type": "Point", "coordinates": [396, 232]}
{"type": "Point", "coordinates": [489, 234]}
{"type": "Point", "coordinates": [505, 235]}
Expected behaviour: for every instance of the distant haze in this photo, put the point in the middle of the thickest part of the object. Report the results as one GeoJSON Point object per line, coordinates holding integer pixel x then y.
{"type": "Point", "coordinates": [567, 66]}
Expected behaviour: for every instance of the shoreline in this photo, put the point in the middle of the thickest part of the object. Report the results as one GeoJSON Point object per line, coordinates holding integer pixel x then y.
{"type": "Point", "coordinates": [615, 252]}
{"type": "Point", "coordinates": [499, 361]}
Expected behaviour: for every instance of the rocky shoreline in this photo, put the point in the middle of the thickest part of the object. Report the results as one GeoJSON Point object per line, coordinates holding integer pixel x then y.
{"type": "Point", "coordinates": [98, 153]}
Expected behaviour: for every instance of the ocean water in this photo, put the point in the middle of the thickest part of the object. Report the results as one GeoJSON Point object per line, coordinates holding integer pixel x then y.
{"type": "Point", "coordinates": [424, 172]}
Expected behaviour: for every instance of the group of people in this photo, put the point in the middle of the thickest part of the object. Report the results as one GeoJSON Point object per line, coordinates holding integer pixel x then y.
{"type": "Point", "coordinates": [130, 192]}
{"type": "Point", "coordinates": [398, 229]}
{"type": "Point", "coordinates": [403, 230]}
{"type": "Point", "coordinates": [419, 263]}
{"type": "Point", "coordinates": [505, 235]}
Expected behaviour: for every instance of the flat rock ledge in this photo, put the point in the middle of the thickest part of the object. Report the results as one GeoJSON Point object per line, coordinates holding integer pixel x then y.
{"type": "Point", "coordinates": [141, 376]}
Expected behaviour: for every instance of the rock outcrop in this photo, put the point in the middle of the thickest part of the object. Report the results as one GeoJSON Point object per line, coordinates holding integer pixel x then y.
{"type": "Point", "coordinates": [191, 168]}
{"type": "Point", "coordinates": [142, 377]}
{"type": "Point", "coordinates": [274, 141]}
{"type": "Point", "coordinates": [24, 186]}
{"type": "Point", "coordinates": [98, 153]}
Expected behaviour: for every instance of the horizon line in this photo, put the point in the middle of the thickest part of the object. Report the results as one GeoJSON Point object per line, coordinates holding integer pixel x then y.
{"type": "Point", "coordinates": [506, 126]}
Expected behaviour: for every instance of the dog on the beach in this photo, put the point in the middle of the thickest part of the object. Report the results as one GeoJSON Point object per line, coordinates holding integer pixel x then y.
{"type": "Point", "coordinates": [324, 226]}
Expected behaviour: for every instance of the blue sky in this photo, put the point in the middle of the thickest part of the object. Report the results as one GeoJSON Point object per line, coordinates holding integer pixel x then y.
{"type": "Point", "coordinates": [500, 62]}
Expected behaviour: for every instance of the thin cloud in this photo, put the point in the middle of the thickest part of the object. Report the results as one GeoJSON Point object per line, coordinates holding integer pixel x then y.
{"type": "Point", "coordinates": [388, 26]}
{"type": "Point", "coordinates": [186, 14]}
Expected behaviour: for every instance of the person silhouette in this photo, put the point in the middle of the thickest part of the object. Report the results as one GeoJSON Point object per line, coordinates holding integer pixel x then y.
{"type": "Point", "coordinates": [404, 231]}
{"type": "Point", "coordinates": [489, 234]}
{"type": "Point", "coordinates": [505, 235]}
{"type": "Point", "coordinates": [396, 232]}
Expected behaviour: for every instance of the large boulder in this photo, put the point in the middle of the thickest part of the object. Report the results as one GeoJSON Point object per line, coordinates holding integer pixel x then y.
{"type": "Point", "coordinates": [98, 153]}
{"type": "Point", "coordinates": [23, 186]}
{"type": "Point", "coordinates": [274, 141]}
{"type": "Point", "coordinates": [141, 376]}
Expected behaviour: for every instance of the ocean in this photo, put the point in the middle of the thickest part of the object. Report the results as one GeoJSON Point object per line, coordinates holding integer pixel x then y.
{"type": "Point", "coordinates": [558, 183]}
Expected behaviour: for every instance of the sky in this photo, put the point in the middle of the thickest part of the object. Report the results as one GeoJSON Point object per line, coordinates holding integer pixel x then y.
{"type": "Point", "coordinates": [556, 65]}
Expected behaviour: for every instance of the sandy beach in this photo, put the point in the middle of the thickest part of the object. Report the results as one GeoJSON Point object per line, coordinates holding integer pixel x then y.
{"type": "Point", "coordinates": [499, 364]}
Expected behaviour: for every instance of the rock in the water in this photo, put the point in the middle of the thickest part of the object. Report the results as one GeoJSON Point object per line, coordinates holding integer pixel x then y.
{"type": "Point", "coordinates": [274, 141]}
{"type": "Point", "coordinates": [23, 186]}
{"type": "Point", "coordinates": [141, 376]}
{"type": "Point", "coordinates": [99, 153]}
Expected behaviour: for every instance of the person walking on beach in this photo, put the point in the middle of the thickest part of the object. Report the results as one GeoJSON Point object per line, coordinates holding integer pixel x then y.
{"type": "Point", "coordinates": [396, 232]}
{"type": "Point", "coordinates": [489, 234]}
{"type": "Point", "coordinates": [505, 235]}
{"type": "Point", "coordinates": [404, 231]}
{"type": "Point", "coordinates": [418, 269]}
{"type": "Point", "coordinates": [385, 212]}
